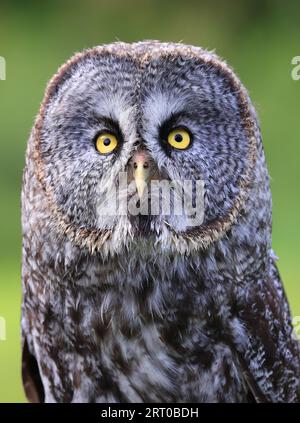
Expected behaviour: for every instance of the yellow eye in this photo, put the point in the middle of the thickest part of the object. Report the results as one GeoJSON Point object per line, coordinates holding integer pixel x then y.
{"type": "Point", "coordinates": [106, 143]}
{"type": "Point", "coordinates": [179, 139]}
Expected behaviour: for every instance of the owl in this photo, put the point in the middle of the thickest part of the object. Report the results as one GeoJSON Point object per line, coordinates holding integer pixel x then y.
{"type": "Point", "coordinates": [122, 305]}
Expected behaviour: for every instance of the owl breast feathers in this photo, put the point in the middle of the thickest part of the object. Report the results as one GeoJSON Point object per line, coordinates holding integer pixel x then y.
{"type": "Point", "coordinates": [148, 273]}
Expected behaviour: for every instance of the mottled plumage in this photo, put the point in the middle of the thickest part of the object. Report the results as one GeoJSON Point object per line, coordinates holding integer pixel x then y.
{"type": "Point", "coordinates": [123, 309]}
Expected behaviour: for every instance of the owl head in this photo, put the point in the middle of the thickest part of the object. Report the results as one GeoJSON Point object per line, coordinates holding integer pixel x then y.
{"type": "Point", "coordinates": [121, 119]}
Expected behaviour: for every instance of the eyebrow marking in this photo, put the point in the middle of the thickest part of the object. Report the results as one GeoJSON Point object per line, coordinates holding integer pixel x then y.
{"type": "Point", "coordinates": [174, 120]}
{"type": "Point", "coordinates": [106, 123]}
{"type": "Point", "coordinates": [109, 123]}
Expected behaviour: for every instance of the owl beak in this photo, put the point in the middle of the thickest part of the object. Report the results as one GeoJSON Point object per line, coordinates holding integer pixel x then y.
{"type": "Point", "coordinates": [140, 163]}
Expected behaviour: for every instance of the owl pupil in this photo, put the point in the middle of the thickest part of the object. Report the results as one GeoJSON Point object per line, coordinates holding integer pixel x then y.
{"type": "Point", "coordinates": [106, 142]}
{"type": "Point", "coordinates": [178, 138]}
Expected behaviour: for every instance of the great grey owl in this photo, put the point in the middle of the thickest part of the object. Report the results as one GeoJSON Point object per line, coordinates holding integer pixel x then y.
{"type": "Point", "coordinates": [137, 307]}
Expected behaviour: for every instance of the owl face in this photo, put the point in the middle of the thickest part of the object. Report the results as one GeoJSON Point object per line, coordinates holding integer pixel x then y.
{"type": "Point", "coordinates": [145, 113]}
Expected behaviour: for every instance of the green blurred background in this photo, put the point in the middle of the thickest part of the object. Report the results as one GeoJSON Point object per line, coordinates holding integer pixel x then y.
{"type": "Point", "coordinates": [258, 38]}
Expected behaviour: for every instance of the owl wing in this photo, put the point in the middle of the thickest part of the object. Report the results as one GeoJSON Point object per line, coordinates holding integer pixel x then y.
{"type": "Point", "coordinates": [270, 359]}
{"type": "Point", "coordinates": [31, 378]}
